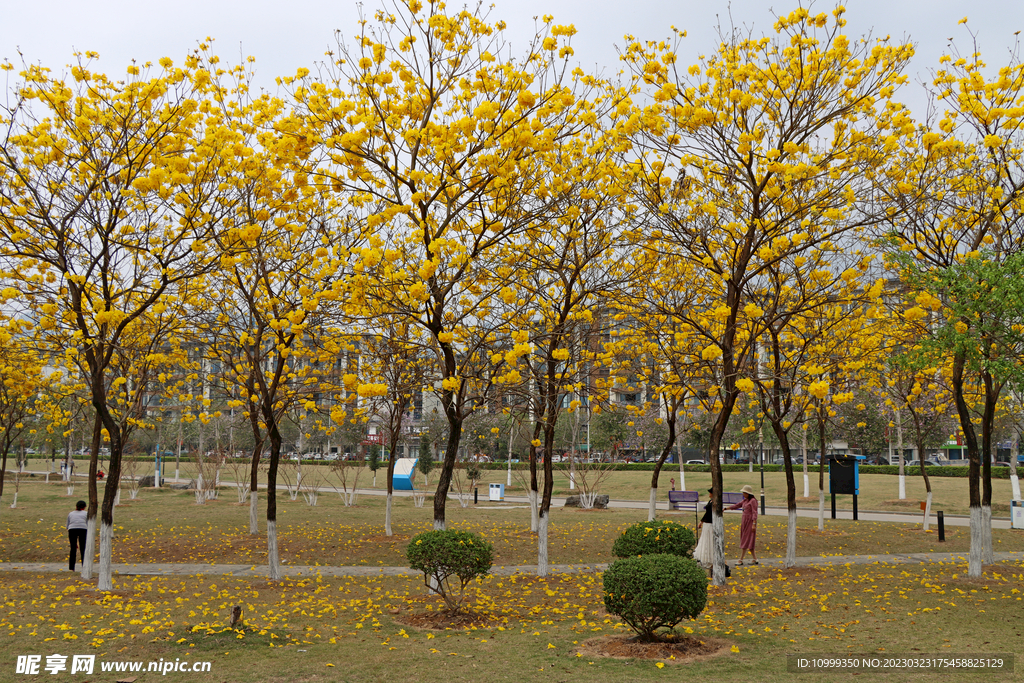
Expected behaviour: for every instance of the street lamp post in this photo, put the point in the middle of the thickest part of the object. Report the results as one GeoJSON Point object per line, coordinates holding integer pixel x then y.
{"type": "Point", "coordinates": [760, 449]}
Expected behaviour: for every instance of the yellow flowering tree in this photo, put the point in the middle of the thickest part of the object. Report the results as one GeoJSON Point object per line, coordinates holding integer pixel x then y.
{"type": "Point", "coordinates": [759, 153]}
{"type": "Point", "coordinates": [109, 193]}
{"type": "Point", "coordinates": [426, 123]}
{"type": "Point", "coordinates": [955, 193]}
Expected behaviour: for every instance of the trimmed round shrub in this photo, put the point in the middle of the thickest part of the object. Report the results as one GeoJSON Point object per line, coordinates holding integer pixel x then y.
{"type": "Point", "coordinates": [651, 538]}
{"type": "Point", "coordinates": [655, 591]}
{"type": "Point", "coordinates": [449, 560]}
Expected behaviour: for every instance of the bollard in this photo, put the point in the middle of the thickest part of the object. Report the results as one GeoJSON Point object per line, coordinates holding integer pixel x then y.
{"type": "Point", "coordinates": [476, 495]}
{"type": "Point", "coordinates": [942, 527]}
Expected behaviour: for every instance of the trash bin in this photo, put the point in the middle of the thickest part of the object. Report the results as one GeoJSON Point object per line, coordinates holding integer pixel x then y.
{"type": "Point", "coordinates": [497, 492]}
{"type": "Point", "coordinates": [1016, 514]}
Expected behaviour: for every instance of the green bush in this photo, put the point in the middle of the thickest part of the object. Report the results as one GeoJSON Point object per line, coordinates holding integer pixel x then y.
{"type": "Point", "coordinates": [652, 538]}
{"type": "Point", "coordinates": [655, 591]}
{"type": "Point", "coordinates": [444, 556]}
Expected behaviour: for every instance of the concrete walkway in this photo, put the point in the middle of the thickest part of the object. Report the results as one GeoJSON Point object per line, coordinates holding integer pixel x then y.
{"type": "Point", "coordinates": [260, 571]}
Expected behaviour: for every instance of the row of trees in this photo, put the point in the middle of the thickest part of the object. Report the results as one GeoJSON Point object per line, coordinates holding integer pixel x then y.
{"type": "Point", "coordinates": [430, 210]}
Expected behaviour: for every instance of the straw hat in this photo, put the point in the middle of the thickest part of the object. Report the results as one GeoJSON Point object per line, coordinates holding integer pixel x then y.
{"type": "Point", "coordinates": [747, 489]}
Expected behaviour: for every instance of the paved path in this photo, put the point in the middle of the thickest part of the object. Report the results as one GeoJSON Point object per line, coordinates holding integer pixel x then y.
{"type": "Point", "coordinates": [251, 571]}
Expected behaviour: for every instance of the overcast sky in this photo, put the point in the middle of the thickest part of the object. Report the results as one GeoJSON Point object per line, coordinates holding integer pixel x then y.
{"type": "Point", "coordinates": [286, 35]}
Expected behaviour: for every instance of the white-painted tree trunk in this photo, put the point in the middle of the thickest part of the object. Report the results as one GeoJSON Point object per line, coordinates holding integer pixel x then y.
{"type": "Point", "coordinates": [652, 505]}
{"type": "Point", "coordinates": [718, 546]}
{"type": "Point", "coordinates": [927, 512]}
{"type": "Point", "coordinates": [90, 545]}
{"type": "Point", "coordinates": [899, 444]}
{"type": "Point", "coordinates": [821, 509]}
{"type": "Point", "coordinates": [1014, 455]}
{"type": "Point", "coordinates": [986, 535]}
{"type": "Point", "coordinates": [117, 497]}
{"type": "Point", "coordinates": [534, 512]}
{"type": "Point", "coordinates": [542, 545]}
{"type": "Point", "coordinates": [439, 525]}
{"type": "Point", "coordinates": [974, 555]}
{"type": "Point", "coordinates": [387, 516]}
{"type": "Point", "coordinates": [682, 479]}
{"type": "Point", "coordinates": [803, 448]}
{"type": "Point", "coordinates": [791, 539]}
{"type": "Point", "coordinates": [273, 558]}
{"type": "Point", "coordinates": [106, 573]}
{"type": "Point", "coordinates": [254, 520]}
{"type": "Point", "coordinates": [14, 501]}
{"type": "Point", "coordinates": [572, 480]}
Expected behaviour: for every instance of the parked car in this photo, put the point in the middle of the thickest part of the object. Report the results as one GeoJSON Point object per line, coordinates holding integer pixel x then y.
{"type": "Point", "coordinates": [332, 456]}
{"type": "Point", "coordinates": [877, 460]}
{"type": "Point", "coordinates": [1000, 464]}
{"type": "Point", "coordinates": [695, 462]}
{"type": "Point", "coordinates": [930, 462]}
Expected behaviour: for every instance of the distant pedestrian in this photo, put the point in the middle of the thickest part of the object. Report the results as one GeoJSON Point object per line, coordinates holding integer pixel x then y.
{"type": "Point", "coordinates": [76, 527]}
{"type": "Point", "coordinates": [748, 525]}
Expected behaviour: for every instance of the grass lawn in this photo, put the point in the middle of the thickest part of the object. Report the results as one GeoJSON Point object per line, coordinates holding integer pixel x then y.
{"type": "Point", "coordinates": [325, 629]}
{"type": "Point", "coordinates": [536, 629]}
{"type": "Point", "coordinates": [879, 492]}
{"type": "Point", "coordinates": [167, 526]}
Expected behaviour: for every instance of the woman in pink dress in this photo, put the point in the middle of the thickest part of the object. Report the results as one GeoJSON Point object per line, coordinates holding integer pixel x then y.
{"type": "Point", "coordinates": [748, 525]}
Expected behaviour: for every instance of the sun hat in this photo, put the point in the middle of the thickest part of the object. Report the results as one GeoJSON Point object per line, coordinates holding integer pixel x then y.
{"type": "Point", "coordinates": [747, 489]}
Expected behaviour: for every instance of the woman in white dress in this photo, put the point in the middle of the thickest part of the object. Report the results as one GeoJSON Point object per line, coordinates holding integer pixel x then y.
{"type": "Point", "coordinates": [704, 552]}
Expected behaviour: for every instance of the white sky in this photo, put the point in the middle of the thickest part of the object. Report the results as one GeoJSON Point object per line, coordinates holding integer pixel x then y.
{"type": "Point", "coordinates": [284, 36]}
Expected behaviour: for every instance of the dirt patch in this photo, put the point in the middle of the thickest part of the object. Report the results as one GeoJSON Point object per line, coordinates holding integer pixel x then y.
{"type": "Point", "coordinates": [678, 649]}
{"type": "Point", "coordinates": [444, 621]}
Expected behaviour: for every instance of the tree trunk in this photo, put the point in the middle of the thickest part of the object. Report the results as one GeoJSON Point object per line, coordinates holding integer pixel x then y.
{"type": "Point", "coordinates": [390, 487]}
{"type": "Point", "coordinates": [444, 480]}
{"type": "Point", "coordinates": [1014, 454]}
{"type": "Point", "coordinates": [257, 451]}
{"type": "Point", "coordinates": [807, 478]}
{"type": "Point", "coordinates": [534, 494]}
{"type": "Point", "coordinates": [992, 390]}
{"type": "Point", "coordinates": [542, 544]}
{"type": "Point", "coordinates": [924, 475]}
{"type": "Point", "coordinates": [254, 516]}
{"type": "Point", "coordinates": [787, 461]}
{"type": "Point", "coordinates": [670, 441]}
{"type": "Point", "coordinates": [821, 470]}
{"type": "Point", "coordinates": [717, 545]}
{"type": "Point", "coordinates": [974, 465]}
{"type": "Point", "coordinates": [94, 499]}
{"type": "Point", "coordinates": [899, 445]}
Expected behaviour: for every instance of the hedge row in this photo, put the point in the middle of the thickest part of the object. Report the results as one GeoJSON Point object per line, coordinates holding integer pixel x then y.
{"type": "Point", "coordinates": [955, 471]}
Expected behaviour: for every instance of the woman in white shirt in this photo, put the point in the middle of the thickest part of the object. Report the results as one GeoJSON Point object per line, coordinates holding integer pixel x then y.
{"type": "Point", "coordinates": [76, 526]}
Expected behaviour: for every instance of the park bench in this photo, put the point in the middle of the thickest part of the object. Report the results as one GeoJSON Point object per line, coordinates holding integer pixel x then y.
{"type": "Point", "coordinates": [731, 498]}
{"type": "Point", "coordinates": [683, 500]}
{"type": "Point", "coordinates": [689, 500]}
